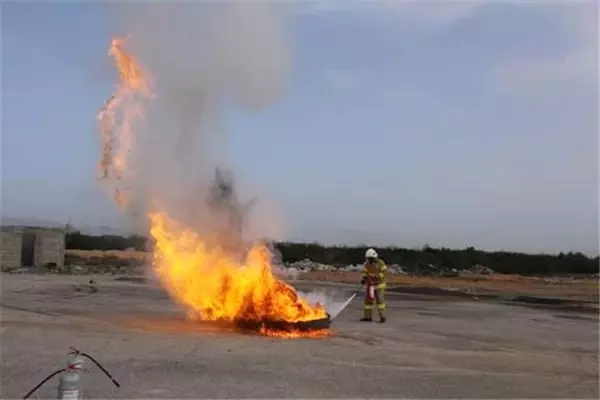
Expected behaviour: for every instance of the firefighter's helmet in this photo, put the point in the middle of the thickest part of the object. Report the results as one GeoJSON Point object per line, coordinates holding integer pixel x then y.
{"type": "Point", "coordinates": [371, 253]}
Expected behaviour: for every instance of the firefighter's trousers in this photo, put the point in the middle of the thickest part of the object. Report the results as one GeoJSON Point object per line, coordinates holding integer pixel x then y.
{"type": "Point", "coordinates": [378, 302]}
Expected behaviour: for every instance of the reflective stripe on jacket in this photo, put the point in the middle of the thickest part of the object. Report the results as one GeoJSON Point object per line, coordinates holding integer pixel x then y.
{"type": "Point", "coordinates": [375, 271]}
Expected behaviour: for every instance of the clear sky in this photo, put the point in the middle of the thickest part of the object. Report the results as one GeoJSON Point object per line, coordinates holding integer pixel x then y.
{"type": "Point", "coordinates": [450, 124]}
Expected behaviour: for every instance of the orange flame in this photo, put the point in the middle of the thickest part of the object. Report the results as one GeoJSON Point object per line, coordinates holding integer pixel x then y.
{"type": "Point", "coordinates": [201, 277]}
{"type": "Point", "coordinates": [117, 118]}
{"type": "Point", "coordinates": [296, 334]}
{"type": "Point", "coordinates": [212, 286]}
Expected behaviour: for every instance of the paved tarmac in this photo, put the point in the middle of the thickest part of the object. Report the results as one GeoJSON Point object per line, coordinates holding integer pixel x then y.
{"type": "Point", "coordinates": [430, 348]}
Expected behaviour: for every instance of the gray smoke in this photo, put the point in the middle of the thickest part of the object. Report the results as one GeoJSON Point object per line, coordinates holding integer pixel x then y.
{"type": "Point", "coordinates": [203, 57]}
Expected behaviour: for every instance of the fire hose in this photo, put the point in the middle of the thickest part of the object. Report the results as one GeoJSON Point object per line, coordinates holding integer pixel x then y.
{"type": "Point", "coordinates": [68, 387]}
{"type": "Point", "coordinates": [76, 352]}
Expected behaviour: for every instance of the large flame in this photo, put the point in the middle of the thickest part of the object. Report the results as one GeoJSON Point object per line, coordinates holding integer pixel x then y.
{"type": "Point", "coordinates": [212, 285]}
{"type": "Point", "coordinates": [117, 118]}
{"type": "Point", "coordinates": [197, 272]}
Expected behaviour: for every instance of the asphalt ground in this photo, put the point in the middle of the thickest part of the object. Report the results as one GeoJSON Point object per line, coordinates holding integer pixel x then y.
{"type": "Point", "coordinates": [431, 347]}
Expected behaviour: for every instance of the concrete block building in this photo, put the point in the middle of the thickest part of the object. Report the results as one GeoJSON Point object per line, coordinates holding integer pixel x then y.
{"type": "Point", "coordinates": [31, 246]}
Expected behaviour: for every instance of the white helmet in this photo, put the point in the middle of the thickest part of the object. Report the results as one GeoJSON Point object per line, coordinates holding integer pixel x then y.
{"type": "Point", "coordinates": [371, 253]}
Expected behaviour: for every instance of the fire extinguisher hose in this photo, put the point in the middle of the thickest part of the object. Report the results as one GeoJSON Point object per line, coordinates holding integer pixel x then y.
{"type": "Point", "coordinates": [77, 352]}
{"type": "Point", "coordinates": [42, 382]}
{"type": "Point", "coordinates": [103, 369]}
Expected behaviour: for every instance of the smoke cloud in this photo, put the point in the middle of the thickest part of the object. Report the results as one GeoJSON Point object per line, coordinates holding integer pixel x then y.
{"type": "Point", "coordinates": [202, 57]}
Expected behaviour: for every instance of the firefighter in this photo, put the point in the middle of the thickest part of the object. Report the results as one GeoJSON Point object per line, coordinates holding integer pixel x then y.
{"type": "Point", "coordinates": [373, 276]}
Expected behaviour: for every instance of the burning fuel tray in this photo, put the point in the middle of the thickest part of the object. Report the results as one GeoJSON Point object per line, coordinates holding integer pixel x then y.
{"type": "Point", "coordinates": [285, 326]}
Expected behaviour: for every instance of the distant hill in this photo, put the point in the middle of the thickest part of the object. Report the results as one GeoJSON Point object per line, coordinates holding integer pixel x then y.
{"type": "Point", "coordinates": [38, 222]}
{"type": "Point", "coordinates": [45, 223]}
{"type": "Point", "coordinates": [101, 230]}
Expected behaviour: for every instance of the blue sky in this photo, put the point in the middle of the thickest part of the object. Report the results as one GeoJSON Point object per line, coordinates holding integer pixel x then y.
{"type": "Point", "coordinates": [453, 124]}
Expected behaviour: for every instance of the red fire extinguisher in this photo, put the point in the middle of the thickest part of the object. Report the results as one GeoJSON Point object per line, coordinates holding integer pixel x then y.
{"type": "Point", "coordinates": [369, 289]}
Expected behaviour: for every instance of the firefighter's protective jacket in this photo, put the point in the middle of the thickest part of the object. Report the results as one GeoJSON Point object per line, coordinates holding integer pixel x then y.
{"type": "Point", "coordinates": [376, 272]}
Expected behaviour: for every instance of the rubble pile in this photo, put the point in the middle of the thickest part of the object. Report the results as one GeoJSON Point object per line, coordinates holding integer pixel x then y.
{"type": "Point", "coordinates": [103, 269]}
{"type": "Point", "coordinates": [79, 269]}
{"type": "Point", "coordinates": [477, 270]}
{"type": "Point", "coordinates": [308, 265]}
{"type": "Point", "coordinates": [397, 269]}
{"type": "Point", "coordinates": [110, 264]}
{"type": "Point", "coordinates": [394, 269]}
{"type": "Point", "coordinates": [105, 264]}
{"type": "Point", "coordinates": [286, 273]}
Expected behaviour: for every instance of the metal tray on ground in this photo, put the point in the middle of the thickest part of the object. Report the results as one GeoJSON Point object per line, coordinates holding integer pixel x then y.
{"type": "Point", "coordinates": [284, 326]}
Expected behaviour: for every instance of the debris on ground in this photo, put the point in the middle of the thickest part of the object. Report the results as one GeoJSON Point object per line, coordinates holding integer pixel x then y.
{"type": "Point", "coordinates": [307, 265]}
{"type": "Point", "coordinates": [89, 288]}
{"type": "Point", "coordinates": [481, 270]}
